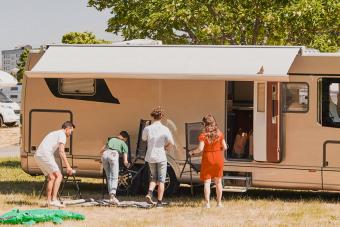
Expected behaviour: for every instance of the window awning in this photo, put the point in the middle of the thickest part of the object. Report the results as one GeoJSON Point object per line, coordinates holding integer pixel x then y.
{"type": "Point", "coordinates": [165, 62]}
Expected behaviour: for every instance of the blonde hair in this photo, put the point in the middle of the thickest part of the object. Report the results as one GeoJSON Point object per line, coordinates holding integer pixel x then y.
{"type": "Point", "coordinates": [210, 127]}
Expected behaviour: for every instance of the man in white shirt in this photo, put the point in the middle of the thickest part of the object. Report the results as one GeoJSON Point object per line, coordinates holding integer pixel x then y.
{"type": "Point", "coordinates": [159, 139]}
{"type": "Point", "coordinates": [44, 157]}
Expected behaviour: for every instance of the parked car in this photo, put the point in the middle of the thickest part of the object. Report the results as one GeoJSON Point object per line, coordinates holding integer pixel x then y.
{"type": "Point", "coordinates": [9, 111]}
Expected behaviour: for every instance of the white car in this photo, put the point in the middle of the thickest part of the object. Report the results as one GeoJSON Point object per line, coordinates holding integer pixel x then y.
{"type": "Point", "coordinates": [9, 111]}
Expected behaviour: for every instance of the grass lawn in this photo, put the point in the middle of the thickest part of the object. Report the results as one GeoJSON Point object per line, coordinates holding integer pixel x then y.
{"type": "Point", "coordinates": [254, 208]}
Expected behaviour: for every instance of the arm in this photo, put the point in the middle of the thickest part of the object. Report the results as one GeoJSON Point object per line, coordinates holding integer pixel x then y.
{"type": "Point", "coordinates": [170, 141]}
{"type": "Point", "coordinates": [103, 149]}
{"type": "Point", "coordinates": [145, 134]}
{"type": "Point", "coordinates": [64, 159]}
{"type": "Point", "coordinates": [125, 158]}
{"type": "Point", "coordinates": [125, 150]}
{"type": "Point", "coordinates": [198, 151]}
{"type": "Point", "coordinates": [224, 144]}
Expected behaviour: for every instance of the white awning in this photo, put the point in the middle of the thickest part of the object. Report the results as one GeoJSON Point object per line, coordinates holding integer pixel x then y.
{"type": "Point", "coordinates": [165, 62]}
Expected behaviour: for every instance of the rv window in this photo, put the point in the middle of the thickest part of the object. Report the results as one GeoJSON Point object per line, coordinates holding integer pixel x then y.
{"type": "Point", "coordinates": [77, 86]}
{"type": "Point", "coordinates": [329, 102]}
{"type": "Point", "coordinates": [295, 97]}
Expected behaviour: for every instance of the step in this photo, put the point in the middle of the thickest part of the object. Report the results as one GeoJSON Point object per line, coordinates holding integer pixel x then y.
{"type": "Point", "coordinates": [234, 189]}
{"type": "Point", "coordinates": [235, 178]}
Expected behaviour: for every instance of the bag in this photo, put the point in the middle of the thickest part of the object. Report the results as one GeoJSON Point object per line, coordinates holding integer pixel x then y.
{"type": "Point", "coordinates": [240, 143]}
{"type": "Point", "coordinates": [251, 145]}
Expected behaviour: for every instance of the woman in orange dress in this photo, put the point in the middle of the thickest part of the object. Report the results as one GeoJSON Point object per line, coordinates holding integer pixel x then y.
{"type": "Point", "coordinates": [213, 145]}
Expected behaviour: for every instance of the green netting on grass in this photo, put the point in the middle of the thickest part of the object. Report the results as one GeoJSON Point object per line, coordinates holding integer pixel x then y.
{"type": "Point", "coordinates": [30, 217]}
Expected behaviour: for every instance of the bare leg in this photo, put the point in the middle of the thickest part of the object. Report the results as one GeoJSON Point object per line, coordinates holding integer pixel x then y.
{"type": "Point", "coordinates": [218, 182]}
{"type": "Point", "coordinates": [58, 179]}
{"type": "Point", "coordinates": [50, 183]}
{"type": "Point", "coordinates": [160, 191]}
{"type": "Point", "coordinates": [152, 185]}
{"type": "Point", "coordinates": [207, 191]}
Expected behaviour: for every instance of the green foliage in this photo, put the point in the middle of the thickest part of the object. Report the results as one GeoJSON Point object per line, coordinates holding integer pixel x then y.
{"type": "Point", "coordinates": [82, 38]}
{"type": "Point", "coordinates": [314, 23]}
{"type": "Point", "coordinates": [21, 64]}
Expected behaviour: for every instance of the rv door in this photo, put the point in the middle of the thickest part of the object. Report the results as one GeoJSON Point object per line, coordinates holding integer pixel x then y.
{"type": "Point", "coordinates": [267, 122]}
{"type": "Point", "coordinates": [42, 122]}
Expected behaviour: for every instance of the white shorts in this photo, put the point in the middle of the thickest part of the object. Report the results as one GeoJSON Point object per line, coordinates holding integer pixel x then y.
{"type": "Point", "coordinates": [47, 165]}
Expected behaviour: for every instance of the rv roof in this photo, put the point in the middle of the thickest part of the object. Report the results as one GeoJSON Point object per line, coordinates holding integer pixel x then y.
{"type": "Point", "coordinates": [165, 62]}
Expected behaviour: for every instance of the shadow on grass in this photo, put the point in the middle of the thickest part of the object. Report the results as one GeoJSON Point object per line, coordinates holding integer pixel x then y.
{"type": "Point", "coordinates": [266, 194]}
{"type": "Point", "coordinates": [10, 164]}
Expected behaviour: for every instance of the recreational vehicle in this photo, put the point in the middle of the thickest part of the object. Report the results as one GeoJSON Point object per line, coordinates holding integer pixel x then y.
{"type": "Point", "coordinates": [278, 107]}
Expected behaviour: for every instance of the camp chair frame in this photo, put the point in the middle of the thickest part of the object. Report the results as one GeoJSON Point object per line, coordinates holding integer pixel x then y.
{"type": "Point", "coordinates": [66, 179]}
{"type": "Point", "coordinates": [191, 143]}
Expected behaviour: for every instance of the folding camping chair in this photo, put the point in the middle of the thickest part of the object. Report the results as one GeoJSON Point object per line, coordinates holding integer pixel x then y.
{"type": "Point", "coordinates": [66, 179]}
{"type": "Point", "coordinates": [192, 132]}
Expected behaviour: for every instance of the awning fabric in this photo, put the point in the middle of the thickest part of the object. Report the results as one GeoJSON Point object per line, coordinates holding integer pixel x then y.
{"type": "Point", "coordinates": [165, 62]}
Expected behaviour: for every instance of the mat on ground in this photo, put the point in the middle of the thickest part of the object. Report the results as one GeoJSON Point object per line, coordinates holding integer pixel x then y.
{"type": "Point", "coordinates": [29, 217]}
{"type": "Point", "coordinates": [106, 202]}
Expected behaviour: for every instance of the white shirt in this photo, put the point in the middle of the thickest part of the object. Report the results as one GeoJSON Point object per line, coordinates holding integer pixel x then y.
{"type": "Point", "coordinates": [51, 143]}
{"type": "Point", "coordinates": [157, 136]}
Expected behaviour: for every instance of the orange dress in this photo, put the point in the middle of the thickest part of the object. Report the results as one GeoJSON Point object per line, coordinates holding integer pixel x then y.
{"type": "Point", "coordinates": [212, 158]}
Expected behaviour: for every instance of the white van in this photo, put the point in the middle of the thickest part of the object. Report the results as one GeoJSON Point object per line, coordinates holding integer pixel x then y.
{"type": "Point", "coordinates": [13, 92]}
{"type": "Point", "coordinates": [9, 111]}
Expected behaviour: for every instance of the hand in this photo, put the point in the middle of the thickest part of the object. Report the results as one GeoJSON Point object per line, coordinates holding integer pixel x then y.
{"type": "Point", "coordinates": [69, 171]}
{"type": "Point", "coordinates": [127, 164]}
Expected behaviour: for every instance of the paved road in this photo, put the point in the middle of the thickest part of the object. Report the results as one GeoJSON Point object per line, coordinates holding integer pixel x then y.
{"type": "Point", "coordinates": [12, 151]}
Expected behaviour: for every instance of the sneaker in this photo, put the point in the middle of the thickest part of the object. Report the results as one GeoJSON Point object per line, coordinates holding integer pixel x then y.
{"type": "Point", "coordinates": [206, 206]}
{"type": "Point", "coordinates": [148, 198]}
{"type": "Point", "coordinates": [219, 205]}
{"type": "Point", "coordinates": [159, 205]}
{"type": "Point", "coordinates": [114, 200]}
{"type": "Point", "coordinates": [56, 203]}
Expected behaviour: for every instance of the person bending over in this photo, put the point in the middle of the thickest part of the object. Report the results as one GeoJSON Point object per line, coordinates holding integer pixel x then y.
{"type": "Point", "coordinates": [110, 159]}
{"type": "Point", "coordinates": [45, 160]}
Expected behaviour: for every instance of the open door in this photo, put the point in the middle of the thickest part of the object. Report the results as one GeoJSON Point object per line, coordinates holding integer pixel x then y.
{"type": "Point", "coordinates": [42, 122]}
{"type": "Point", "coordinates": [267, 122]}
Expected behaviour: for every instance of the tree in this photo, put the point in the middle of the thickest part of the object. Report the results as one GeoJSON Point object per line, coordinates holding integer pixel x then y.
{"type": "Point", "coordinates": [82, 38]}
{"type": "Point", "coordinates": [21, 64]}
{"type": "Point", "coordinates": [314, 23]}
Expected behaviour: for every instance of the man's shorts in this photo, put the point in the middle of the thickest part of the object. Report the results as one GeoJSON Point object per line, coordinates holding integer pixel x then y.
{"type": "Point", "coordinates": [47, 165]}
{"type": "Point", "coordinates": [158, 171]}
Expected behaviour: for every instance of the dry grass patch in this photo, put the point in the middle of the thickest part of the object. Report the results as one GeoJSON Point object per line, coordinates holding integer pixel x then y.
{"type": "Point", "coordinates": [255, 208]}
{"type": "Point", "coordinates": [9, 136]}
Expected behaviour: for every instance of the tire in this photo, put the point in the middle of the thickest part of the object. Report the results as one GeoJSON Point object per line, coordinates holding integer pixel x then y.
{"type": "Point", "coordinates": [12, 124]}
{"type": "Point", "coordinates": [171, 184]}
{"type": "Point", "coordinates": [1, 121]}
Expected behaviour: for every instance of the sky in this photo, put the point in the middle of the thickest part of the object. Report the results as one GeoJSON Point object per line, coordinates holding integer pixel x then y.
{"type": "Point", "coordinates": [38, 22]}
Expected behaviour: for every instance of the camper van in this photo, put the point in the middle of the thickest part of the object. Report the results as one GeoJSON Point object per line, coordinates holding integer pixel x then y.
{"type": "Point", "coordinates": [278, 107]}
{"type": "Point", "coordinates": [9, 111]}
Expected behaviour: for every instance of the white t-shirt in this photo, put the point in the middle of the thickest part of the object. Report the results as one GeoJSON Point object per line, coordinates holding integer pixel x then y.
{"type": "Point", "coordinates": [51, 143]}
{"type": "Point", "coordinates": [157, 136]}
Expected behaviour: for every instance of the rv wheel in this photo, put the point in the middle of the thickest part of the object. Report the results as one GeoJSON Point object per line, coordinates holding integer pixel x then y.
{"type": "Point", "coordinates": [1, 121]}
{"type": "Point", "coordinates": [171, 184]}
